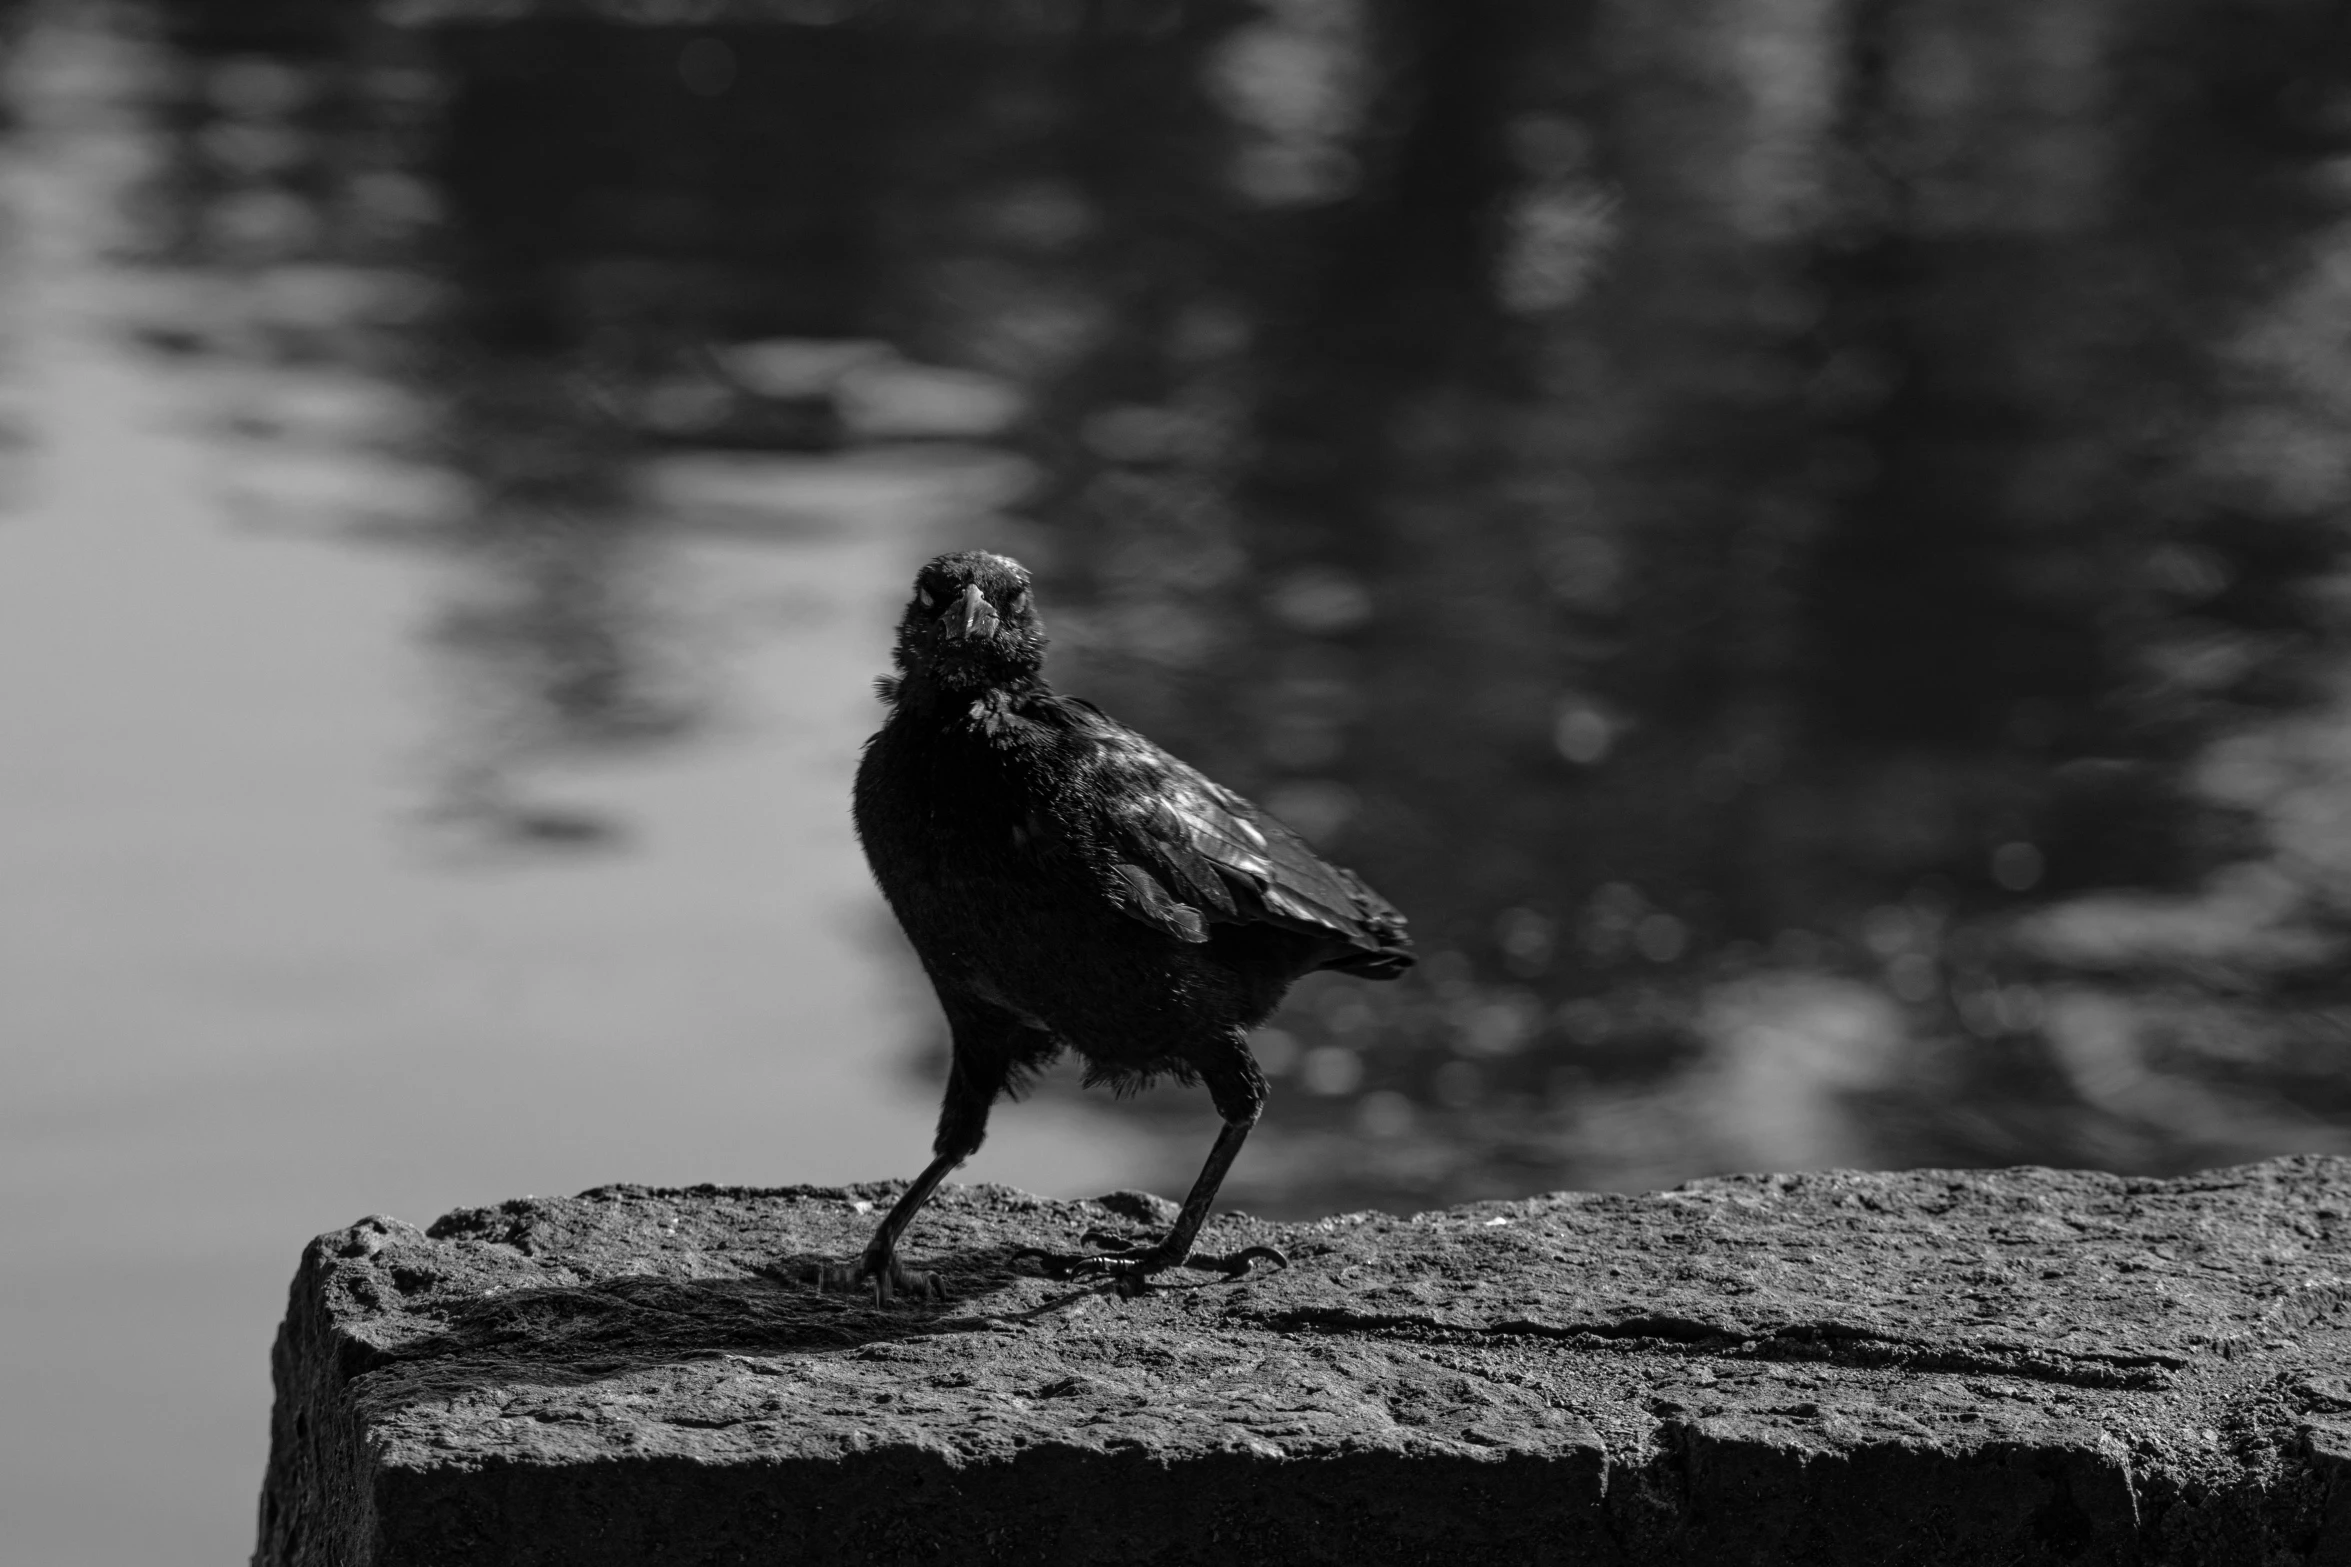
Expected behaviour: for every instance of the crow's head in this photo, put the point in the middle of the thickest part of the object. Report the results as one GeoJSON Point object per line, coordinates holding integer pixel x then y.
{"type": "Point", "coordinates": [971, 622]}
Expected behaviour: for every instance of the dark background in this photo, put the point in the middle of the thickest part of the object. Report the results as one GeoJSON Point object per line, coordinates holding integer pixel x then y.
{"type": "Point", "coordinates": [1800, 540]}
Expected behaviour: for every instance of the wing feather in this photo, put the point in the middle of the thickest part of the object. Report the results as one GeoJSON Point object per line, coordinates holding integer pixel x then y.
{"type": "Point", "coordinates": [1147, 901]}
{"type": "Point", "coordinates": [1192, 853]}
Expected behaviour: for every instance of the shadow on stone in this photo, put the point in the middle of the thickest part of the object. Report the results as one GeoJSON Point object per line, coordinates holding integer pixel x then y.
{"type": "Point", "coordinates": [566, 1334]}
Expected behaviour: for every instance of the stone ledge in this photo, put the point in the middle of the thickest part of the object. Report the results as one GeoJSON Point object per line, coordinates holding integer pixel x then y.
{"type": "Point", "coordinates": [2023, 1365]}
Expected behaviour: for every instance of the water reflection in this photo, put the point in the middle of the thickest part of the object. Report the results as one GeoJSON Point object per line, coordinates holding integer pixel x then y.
{"type": "Point", "coordinates": [1753, 527]}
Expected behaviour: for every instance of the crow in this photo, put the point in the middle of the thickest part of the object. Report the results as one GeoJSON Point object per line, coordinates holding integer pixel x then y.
{"type": "Point", "coordinates": [1069, 885]}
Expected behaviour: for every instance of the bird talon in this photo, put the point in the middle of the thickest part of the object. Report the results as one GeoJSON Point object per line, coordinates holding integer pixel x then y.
{"type": "Point", "coordinates": [1063, 1265]}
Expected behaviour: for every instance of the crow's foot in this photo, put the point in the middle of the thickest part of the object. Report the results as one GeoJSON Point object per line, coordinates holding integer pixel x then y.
{"type": "Point", "coordinates": [1132, 1269]}
{"type": "Point", "coordinates": [885, 1281]}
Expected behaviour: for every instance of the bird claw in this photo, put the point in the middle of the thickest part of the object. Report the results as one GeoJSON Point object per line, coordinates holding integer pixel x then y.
{"type": "Point", "coordinates": [1131, 1270]}
{"type": "Point", "coordinates": [885, 1283]}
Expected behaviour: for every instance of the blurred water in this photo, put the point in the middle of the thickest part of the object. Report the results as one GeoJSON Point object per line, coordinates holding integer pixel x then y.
{"type": "Point", "coordinates": [258, 977]}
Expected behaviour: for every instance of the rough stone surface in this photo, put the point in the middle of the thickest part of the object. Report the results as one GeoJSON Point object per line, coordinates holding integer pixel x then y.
{"type": "Point", "coordinates": [2015, 1366]}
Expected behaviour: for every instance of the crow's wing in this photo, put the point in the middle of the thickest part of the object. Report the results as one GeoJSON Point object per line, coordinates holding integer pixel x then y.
{"type": "Point", "coordinates": [1192, 853]}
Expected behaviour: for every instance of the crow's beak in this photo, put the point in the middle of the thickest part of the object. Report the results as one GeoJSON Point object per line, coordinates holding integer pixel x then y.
{"type": "Point", "coordinates": [969, 616]}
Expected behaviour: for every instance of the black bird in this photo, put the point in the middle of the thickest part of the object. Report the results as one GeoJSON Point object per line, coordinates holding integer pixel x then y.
{"type": "Point", "coordinates": [1068, 884]}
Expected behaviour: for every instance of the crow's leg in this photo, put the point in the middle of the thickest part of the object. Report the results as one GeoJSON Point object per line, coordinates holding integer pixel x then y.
{"type": "Point", "coordinates": [986, 1052]}
{"type": "Point", "coordinates": [1238, 1089]}
{"type": "Point", "coordinates": [879, 1269]}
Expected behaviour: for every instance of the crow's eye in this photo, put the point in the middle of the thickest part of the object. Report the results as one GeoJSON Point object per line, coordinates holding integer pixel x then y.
{"type": "Point", "coordinates": [924, 594]}
{"type": "Point", "coordinates": [1019, 603]}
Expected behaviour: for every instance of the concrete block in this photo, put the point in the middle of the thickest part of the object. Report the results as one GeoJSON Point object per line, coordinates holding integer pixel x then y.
{"type": "Point", "coordinates": [1922, 1367]}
